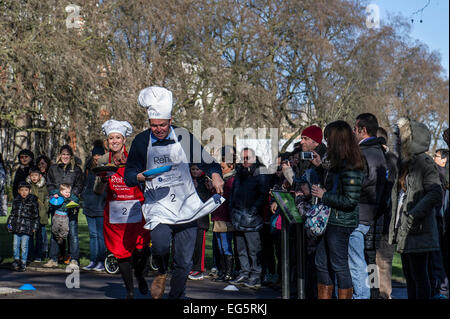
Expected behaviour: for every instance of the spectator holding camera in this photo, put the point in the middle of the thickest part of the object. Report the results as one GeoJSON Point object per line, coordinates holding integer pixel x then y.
{"type": "Point", "coordinates": [311, 142]}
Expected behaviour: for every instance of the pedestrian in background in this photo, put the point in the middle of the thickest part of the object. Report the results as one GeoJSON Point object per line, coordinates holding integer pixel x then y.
{"type": "Point", "coordinates": [93, 207]}
{"type": "Point", "coordinates": [413, 225]}
{"type": "Point", "coordinates": [23, 222]}
{"type": "Point", "coordinates": [342, 174]}
{"type": "Point", "coordinates": [39, 242]}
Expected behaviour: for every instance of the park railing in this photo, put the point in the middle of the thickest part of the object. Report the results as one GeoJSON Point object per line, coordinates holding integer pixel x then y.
{"type": "Point", "coordinates": [291, 220]}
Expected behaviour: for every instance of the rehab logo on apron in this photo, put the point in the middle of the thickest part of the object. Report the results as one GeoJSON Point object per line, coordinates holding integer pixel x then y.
{"type": "Point", "coordinates": [171, 198]}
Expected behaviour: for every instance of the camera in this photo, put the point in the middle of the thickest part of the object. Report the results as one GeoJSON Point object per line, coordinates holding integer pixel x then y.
{"type": "Point", "coordinates": [309, 156]}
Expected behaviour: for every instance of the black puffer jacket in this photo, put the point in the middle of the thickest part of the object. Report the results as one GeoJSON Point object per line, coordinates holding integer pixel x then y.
{"type": "Point", "coordinates": [24, 218]}
{"type": "Point", "coordinates": [60, 174]}
{"type": "Point", "coordinates": [249, 195]}
{"type": "Point", "coordinates": [383, 218]}
{"type": "Point", "coordinates": [374, 181]}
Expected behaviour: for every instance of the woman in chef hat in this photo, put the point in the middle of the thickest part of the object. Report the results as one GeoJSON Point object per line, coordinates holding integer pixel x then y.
{"type": "Point", "coordinates": [125, 236]}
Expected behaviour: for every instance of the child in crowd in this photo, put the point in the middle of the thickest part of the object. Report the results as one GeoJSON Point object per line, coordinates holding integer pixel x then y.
{"type": "Point", "coordinates": [60, 222]}
{"type": "Point", "coordinates": [23, 222]}
{"type": "Point", "coordinates": [39, 188]}
{"type": "Point", "coordinates": [203, 190]}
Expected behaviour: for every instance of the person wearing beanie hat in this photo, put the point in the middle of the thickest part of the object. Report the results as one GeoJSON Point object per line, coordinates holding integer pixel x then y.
{"type": "Point", "coordinates": [311, 142]}
{"type": "Point", "coordinates": [311, 138]}
{"type": "Point", "coordinates": [123, 226]}
{"type": "Point", "coordinates": [25, 158]}
{"type": "Point", "coordinates": [172, 205]}
{"type": "Point", "coordinates": [98, 149]}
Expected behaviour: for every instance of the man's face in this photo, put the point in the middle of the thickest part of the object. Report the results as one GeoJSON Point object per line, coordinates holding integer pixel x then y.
{"type": "Point", "coordinates": [25, 159]}
{"type": "Point", "coordinates": [35, 177]}
{"type": "Point", "coordinates": [65, 192]}
{"type": "Point", "coordinates": [160, 128]}
{"type": "Point", "coordinates": [24, 192]}
{"type": "Point", "coordinates": [360, 132]}
{"type": "Point", "coordinates": [248, 158]}
{"type": "Point", "coordinates": [439, 160]}
{"type": "Point", "coordinates": [308, 144]}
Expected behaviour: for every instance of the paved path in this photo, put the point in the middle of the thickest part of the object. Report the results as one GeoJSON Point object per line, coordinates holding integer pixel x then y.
{"type": "Point", "coordinates": [51, 283]}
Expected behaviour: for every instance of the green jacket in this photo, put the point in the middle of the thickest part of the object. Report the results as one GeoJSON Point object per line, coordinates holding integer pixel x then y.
{"type": "Point", "coordinates": [344, 202]}
{"type": "Point", "coordinates": [41, 192]}
{"type": "Point", "coordinates": [413, 225]}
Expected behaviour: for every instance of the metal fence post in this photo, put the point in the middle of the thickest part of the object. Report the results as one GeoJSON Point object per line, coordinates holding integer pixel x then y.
{"type": "Point", "coordinates": [284, 258]}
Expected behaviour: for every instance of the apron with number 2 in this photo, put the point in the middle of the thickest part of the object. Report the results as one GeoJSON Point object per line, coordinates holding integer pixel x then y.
{"type": "Point", "coordinates": [171, 198]}
{"type": "Point", "coordinates": [123, 225]}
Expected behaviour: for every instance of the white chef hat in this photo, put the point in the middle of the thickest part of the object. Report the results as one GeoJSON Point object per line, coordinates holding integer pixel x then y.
{"type": "Point", "coordinates": [113, 126]}
{"type": "Point", "coordinates": [158, 102]}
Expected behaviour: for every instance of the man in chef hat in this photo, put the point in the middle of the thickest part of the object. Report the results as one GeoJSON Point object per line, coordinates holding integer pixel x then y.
{"type": "Point", "coordinates": [171, 205]}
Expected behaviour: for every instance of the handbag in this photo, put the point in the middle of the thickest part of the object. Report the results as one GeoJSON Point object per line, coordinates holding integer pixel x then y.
{"type": "Point", "coordinates": [317, 217]}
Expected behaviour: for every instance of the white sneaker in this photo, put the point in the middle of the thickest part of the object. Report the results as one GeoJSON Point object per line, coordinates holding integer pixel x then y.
{"type": "Point", "coordinates": [74, 262]}
{"type": "Point", "coordinates": [99, 267]}
{"type": "Point", "coordinates": [90, 266]}
{"type": "Point", "coordinates": [50, 264]}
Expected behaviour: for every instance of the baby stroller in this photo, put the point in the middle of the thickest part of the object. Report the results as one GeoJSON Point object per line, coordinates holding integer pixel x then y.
{"type": "Point", "coordinates": [112, 266]}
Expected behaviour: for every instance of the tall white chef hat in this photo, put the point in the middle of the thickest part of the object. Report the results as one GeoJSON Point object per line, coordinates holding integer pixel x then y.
{"type": "Point", "coordinates": [113, 126]}
{"type": "Point", "coordinates": [158, 102]}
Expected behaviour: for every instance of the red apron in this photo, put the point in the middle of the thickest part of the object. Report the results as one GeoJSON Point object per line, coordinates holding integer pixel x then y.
{"type": "Point", "coordinates": [123, 225]}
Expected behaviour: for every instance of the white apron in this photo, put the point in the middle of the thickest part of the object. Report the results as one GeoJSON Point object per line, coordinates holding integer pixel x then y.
{"type": "Point", "coordinates": [171, 198]}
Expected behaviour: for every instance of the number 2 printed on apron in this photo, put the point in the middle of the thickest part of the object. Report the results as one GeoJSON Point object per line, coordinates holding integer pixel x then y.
{"type": "Point", "coordinates": [125, 212]}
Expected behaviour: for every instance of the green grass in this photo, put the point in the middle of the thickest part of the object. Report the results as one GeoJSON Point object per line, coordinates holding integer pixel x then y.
{"type": "Point", "coordinates": [397, 271]}
{"type": "Point", "coordinates": [6, 240]}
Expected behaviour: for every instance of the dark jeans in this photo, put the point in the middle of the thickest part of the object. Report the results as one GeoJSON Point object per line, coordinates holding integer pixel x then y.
{"type": "Point", "coordinates": [72, 237]}
{"type": "Point", "coordinates": [250, 253]}
{"type": "Point", "coordinates": [183, 236]}
{"type": "Point", "coordinates": [332, 257]}
{"type": "Point", "coordinates": [415, 269]}
{"type": "Point", "coordinates": [268, 261]}
{"type": "Point", "coordinates": [198, 258]}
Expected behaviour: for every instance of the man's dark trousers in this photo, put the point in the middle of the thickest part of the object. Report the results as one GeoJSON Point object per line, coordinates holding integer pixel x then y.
{"type": "Point", "coordinates": [183, 236]}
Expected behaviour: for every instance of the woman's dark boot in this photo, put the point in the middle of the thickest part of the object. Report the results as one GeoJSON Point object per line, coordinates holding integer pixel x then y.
{"type": "Point", "coordinates": [221, 275]}
{"type": "Point", "coordinates": [228, 268]}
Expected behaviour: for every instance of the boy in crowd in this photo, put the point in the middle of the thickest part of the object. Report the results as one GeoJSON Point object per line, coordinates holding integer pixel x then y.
{"type": "Point", "coordinates": [23, 222]}
{"type": "Point", "coordinates": [60, 222]}
{"type": "Point", "coordinates": [39, 189]}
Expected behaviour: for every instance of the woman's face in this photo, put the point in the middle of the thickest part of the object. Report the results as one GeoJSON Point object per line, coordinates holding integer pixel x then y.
{"type": "Point", "coordinates": [25, 159]}
{"type": "Point", "coordinates": [65, 157]}
{"type": "Point", "coordinates": [42, 165]}
{"type": "Point", "coordinates": [195, 171]}
{"type": "Point", "coordinates": [116, 141]}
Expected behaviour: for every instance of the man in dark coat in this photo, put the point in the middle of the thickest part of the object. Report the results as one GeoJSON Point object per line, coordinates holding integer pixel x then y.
{"type": "Point", "coordinates": [379, 232]}
{"type": "Point", "coordinates": [249, 194]}
{"type": "Point", "coordinates": [365, 131]}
